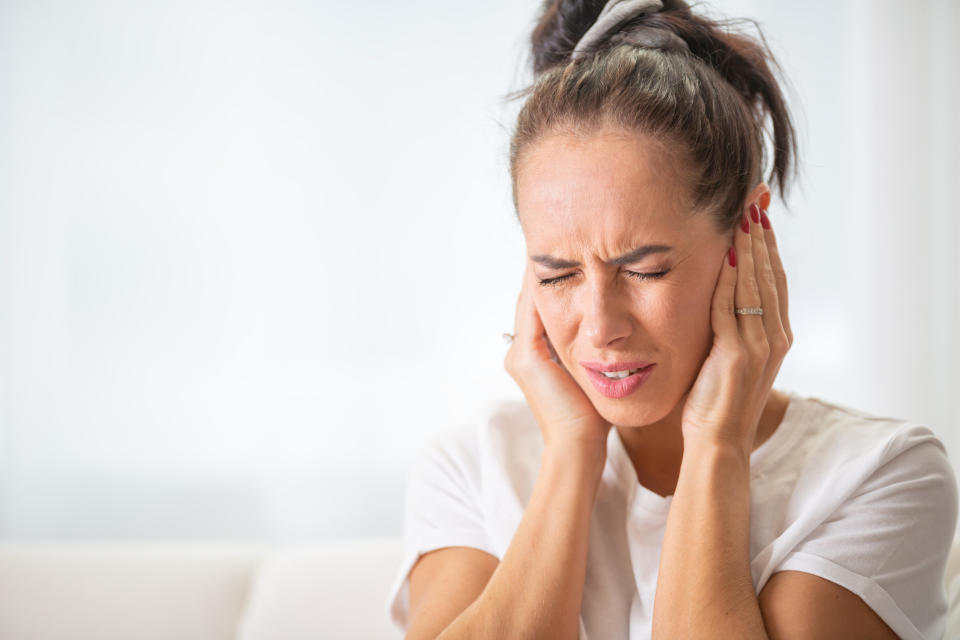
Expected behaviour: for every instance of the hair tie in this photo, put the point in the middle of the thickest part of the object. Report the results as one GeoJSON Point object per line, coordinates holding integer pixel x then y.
{"type": "Point", "coordinates": [615, 13]}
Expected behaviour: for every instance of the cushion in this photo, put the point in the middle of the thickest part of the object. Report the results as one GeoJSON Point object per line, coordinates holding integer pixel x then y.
{"type": "Point", "coordinates": [329, 589]}
{"type": "Point", "coordinates": [122, 590]}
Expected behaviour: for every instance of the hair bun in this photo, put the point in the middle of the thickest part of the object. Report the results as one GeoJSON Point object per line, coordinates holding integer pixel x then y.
{"type": "Point", "coordinates": [568, 29]}
{"type": "Point", "coordinates": [614, 14]}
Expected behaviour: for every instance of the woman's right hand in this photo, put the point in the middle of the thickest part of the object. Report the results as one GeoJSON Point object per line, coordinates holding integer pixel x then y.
{"type": "Point", "coordinates": [562, 410]}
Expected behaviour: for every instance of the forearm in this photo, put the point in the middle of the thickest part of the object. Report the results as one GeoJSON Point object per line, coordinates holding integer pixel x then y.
{"type": "Point", "coordinates": [704, 586]}
{"type": "Point", "coordinates": [537, 589]}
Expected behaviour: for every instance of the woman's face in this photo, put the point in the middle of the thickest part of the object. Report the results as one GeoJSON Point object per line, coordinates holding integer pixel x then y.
{"type": "Point", "coordinates": [586, 203]}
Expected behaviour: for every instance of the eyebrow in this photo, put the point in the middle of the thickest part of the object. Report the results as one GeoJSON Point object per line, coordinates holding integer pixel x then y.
{"type": "Point", "coordinates": [633, 255]}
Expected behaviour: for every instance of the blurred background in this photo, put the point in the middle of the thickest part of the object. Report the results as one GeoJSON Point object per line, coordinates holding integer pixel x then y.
{"type": "Point", "coordinates": [253, 255]}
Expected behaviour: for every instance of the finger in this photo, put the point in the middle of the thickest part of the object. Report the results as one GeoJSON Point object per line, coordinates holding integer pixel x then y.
{"type": "Point", "coordinates": [748, 292]}
{"type": "Point", "coordinates": [765, 280]}
{"type": "Point", "coordinates": [521, 299]}
{"type": "Point", "coordinates": [722, 317]}
{"type": "Point", "coordinates": [529, 333]}
{"type": "Point", "coordinates": [779, 274]}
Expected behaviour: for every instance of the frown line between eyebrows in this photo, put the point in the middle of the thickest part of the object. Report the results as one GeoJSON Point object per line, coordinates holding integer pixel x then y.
{"type": "Point", "coordinates": [634, 255]}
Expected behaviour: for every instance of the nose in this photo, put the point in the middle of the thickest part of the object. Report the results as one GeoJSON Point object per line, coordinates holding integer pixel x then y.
{"type": "Point", "coordinates": [605, 318]}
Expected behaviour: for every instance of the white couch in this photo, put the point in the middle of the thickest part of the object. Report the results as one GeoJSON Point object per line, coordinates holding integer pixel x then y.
{"type": "Point", "coordinates": [216, 590]}
{"type": "Point", "coordinates": [169, 590]}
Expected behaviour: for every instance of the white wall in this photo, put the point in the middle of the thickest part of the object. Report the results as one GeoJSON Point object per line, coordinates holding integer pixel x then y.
{"type": "Point", "coordinates": [253, 254]}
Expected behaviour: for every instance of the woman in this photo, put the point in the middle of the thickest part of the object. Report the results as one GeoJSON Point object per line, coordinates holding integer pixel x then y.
{"type": "Point", "coordinates": [654, 299]}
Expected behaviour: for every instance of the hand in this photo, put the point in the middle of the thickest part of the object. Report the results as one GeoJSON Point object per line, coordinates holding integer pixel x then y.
{"type": "Point", "coordinates": [730, 393]}
{"type": "Point", "coordinates": [562, 410]}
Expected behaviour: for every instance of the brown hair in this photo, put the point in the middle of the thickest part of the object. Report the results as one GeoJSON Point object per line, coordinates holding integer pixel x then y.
{"type": "Point", "coordinates": [708, 101]}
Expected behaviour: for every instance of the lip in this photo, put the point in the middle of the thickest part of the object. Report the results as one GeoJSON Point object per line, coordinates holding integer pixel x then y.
{"type": "Point", "coordinates": [614, 366]}
{"type": "Point", "coordinates": [619, 388]}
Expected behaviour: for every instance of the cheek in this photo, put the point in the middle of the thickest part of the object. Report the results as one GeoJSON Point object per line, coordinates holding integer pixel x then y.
{"type": "Point", "coordinates": [679, 315]}
{"type": "Point", "coordinates": [691, 315]}
{"type": "Point", "coordinates": [555, 313]}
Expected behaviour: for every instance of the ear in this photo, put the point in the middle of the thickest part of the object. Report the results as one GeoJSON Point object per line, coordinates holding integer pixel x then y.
{"type": "Point", "coordinates": [759, 195]}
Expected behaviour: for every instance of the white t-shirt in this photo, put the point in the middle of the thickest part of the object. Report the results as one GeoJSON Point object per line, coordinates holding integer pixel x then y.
{"type": "Point", "coordinates": [869, 503]}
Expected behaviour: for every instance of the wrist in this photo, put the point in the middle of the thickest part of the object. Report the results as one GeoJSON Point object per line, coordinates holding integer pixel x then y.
{"type": "Point", "coordinates": [718, 443]}
{"type": "Point", "coordinates": [586, 458]}
{"type": "Point", "coordinates": [710, 453]}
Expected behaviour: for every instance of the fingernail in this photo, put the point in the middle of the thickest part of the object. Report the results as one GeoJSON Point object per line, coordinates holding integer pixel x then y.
{"type": "Point", "coordinates": [732, 256]}
{"type": "Point", "coordinates": [745, 224]}
{"type": "Point", "coordinates": [755, 213]}
{"type": "Point", "coordinates": [764, 219]}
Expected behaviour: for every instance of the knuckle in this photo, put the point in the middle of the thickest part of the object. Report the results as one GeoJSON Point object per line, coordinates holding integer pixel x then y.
{"type": "Point", "coordinates": [739, 358]}
{"type": "Point", "coordinates": [760, 348]}
{"type": "Point", "coordinates": [770, 277]}
{"type": "Point", "coordinates": [780, 343]}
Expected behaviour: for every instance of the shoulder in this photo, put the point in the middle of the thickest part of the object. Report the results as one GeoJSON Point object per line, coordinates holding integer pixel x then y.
{"type": "Point", "coordinates": [510, 434]}
{"type": "Point", "coordinates": [840, 472]}
{"type": "Point", "coordinates": [505, 424]}
{"type": "Point", "coordinates": [836, 434]}
{"type": "Point", "coordinates": [847, 453]}
{"type": "Point", "coordinates": [503, 435]}
{"type": "Point", "coordinates": [890, 470]}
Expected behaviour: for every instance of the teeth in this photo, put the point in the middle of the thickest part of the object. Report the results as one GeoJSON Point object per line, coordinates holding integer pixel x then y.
{"type": "Point", "coordinates": [619, 375]}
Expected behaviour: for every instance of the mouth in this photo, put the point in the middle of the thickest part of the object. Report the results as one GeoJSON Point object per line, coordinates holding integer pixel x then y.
{"type": "Point", "coordinates": [620, 375]}
{"type": "Point", "coordinates": [618, 380]}
{"type": "Point", "coordinates": [615, 367]}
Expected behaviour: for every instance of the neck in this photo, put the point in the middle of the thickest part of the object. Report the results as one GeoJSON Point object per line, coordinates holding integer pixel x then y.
{"type": "Point", "coordinates": [656, 450]}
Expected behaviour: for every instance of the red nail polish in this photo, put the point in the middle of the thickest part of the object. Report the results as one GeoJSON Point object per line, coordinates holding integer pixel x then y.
{"type": "Point", "coordinates": [745, 224]}
{"type": "Point", "coordinates": [755, 213]}
{"type": "Point", "coordinates": [764, 220]}
{"type": "Point", "coordinates": [732, 256]}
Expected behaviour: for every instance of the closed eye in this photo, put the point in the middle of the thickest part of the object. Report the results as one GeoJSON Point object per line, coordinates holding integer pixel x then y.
{"type": "Point", "coordinates": [551, 282]}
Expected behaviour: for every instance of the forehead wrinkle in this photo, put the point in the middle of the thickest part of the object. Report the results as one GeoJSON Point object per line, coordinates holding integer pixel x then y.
{"type": "Point", "coordinates": [615, 229]}
{"type": "Point", "coordinates": [607, 237]}
{"type": "Point", "coordinates": [584, 195]}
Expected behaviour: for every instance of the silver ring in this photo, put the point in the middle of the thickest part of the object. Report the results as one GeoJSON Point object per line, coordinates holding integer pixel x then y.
{"type": "Point", "coordinates": [507, 337]}
{"type": "Point", "coordinates": [749, 311]}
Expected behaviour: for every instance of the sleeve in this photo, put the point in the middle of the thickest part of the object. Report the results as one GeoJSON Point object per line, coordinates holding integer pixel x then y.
{"type": "Point", "coordinates": [441, 509]}
{"type": "Point", "coordinates": [889, 542]}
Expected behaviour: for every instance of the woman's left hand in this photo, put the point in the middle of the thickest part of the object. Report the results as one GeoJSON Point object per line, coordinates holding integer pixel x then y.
{"type": "Point", "coordinates": [729, 395]}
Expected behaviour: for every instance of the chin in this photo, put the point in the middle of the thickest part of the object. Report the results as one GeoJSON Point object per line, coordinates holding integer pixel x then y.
{"type": "Point", "coordinates": [631, 413]}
